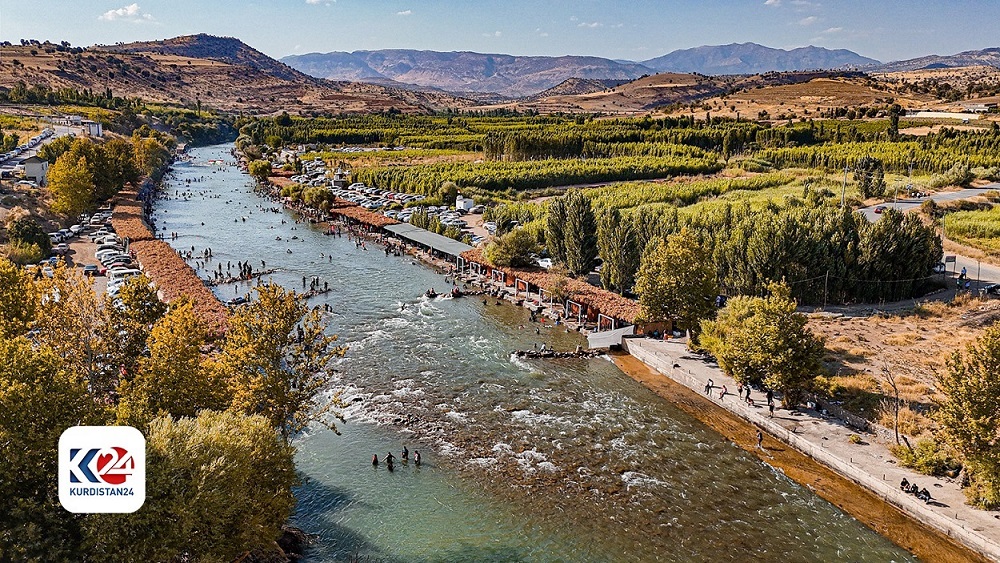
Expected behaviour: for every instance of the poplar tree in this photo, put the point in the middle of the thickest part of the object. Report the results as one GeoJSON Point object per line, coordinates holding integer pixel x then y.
{"type": "Point", "coordinates": [579, 234]}
{"type": "Point", "coordinates": [619, 251]}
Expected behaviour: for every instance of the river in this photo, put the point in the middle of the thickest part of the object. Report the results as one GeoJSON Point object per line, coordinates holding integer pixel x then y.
{"type": "Point", "coordinates": [567, 460]}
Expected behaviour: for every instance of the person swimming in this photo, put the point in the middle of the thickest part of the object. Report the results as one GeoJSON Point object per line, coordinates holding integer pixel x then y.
{"type": "Point", "coordinates": [374, 460]}
{"type": "Point", "coordinates": [406, 454]}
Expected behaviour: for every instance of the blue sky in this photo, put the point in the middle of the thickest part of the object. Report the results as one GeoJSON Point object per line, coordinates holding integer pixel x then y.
{"type": "Point", "coordinates": [635, 30]}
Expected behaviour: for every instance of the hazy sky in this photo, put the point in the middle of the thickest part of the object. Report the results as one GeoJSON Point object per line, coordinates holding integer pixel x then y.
{"type": "Point", "coordinates": [635, 30]}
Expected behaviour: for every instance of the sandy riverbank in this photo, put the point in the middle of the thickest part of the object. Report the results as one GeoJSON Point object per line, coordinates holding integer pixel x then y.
{"type": "Point", "coordinates": [926, 543]}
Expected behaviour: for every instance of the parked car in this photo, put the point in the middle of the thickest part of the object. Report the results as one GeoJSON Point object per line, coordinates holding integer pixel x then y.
{"type": "Point", "coordinates": [76, 229]}
{"type": "Point", "coordinates": [880, 209]}
{"type": "Point", "coordinates": [61, 249]}
{"type": "Point", "coordinates": [91, 270]}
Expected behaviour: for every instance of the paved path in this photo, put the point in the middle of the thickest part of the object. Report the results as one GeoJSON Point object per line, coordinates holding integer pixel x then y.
{"type": "Point", "coordinates": [825, 439]}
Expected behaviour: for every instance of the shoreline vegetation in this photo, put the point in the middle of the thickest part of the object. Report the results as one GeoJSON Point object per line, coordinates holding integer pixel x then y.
{"type": "Point", "coordinates": [898, 526]}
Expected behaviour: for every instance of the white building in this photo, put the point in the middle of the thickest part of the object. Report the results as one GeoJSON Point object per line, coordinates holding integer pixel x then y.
{"type": "Point", "coordinates": [36, 168]}
{"type": "Point", "coordinates": [464, 203]}
{"type": "Point", "coordinates": [94, 129]}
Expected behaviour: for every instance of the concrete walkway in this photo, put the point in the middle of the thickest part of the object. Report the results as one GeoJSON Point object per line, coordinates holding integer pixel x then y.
{"type": "Point", "coordinates": [825, 439]}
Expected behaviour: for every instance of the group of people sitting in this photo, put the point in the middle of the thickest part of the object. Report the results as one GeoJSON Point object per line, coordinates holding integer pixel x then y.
{"type": "Point", "coordinates": [913, 489]}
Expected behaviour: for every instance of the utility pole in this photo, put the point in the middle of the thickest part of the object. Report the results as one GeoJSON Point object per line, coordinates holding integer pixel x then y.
{"type": "Point", "coordinates": [979, 270]}
{"type": "Point", "coordinates": [826, 285]}
{"type": "Point", "coordinates": [843, 192]}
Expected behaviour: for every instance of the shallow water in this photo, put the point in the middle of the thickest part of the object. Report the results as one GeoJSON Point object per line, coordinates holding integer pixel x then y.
{"type": "Point", "coordinates": [566, 460]}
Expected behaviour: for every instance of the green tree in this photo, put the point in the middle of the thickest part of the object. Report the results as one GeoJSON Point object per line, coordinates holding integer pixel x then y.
{"type": "Point", "coordinates": [869, 173]}
{"type": "Point", "coordinates": [55, 148]}
{"type": "Point", "coordinates": [217, 487]}
{"type": "Point", "coordinates": [125, 332]}
{"type": "Point", "coordinates": [71, 185]}
{"type": "Point", "coordinates": [555, 234]}
{"type": "Point", "coordinates": [71, 320]}
{"type": "Point", "coordinates": [18, 300]}
{"type": "Point", "coordinates": [512, 249]}
{"type": "Point", "coordinates": [580, 233]}
{"type": "Point", "coordinates": [970, 415]}
{"type": "Point", "coordinates": [119, 156]}
{"type": "Point", "coordinates": [677, 281]}
{"type": "Point", "coordinates": [172, 379]}
{"type": "Point", "coordinates": [38, 401]}
{"type": "Point", "coordinates": [28, 231]}
{"type": "Point", "coordinates": [764, 340]}
{"type": "Point", "coordinates": [276, 360]}
{"type": "Point", "coordinates": [260, 169]}
{"type": "Point", "coordinates": [619, 251]}
{"type": "Point", "coordinates": [448, 192]}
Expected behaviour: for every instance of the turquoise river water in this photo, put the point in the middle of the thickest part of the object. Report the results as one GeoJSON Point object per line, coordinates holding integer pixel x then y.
{"type": "Point", "coordinates": [566, 460]}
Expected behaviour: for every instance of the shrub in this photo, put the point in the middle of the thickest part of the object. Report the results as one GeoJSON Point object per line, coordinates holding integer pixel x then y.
{"type": "Point", "coordinates": [22, 253]}
{"type": "Point", "coordinates": [928, 457]}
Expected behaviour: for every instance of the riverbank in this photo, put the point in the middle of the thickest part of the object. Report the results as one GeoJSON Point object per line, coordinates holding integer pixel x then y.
{"type": "Point", "coordinates": [908, 530]}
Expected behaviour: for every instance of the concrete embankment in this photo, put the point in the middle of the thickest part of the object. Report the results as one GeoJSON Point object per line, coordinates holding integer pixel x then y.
{"type": "Point", "coordinates": [873, 500]}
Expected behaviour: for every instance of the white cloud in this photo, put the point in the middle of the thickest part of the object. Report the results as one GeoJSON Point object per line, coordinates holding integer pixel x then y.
{"type": "Point", "coordinates": [404, 13]}
{"type": "Point", "coordinates": [832, 30]}
{"type": "Point", "coordinates": [773, 3]}
{"type": "Point", "coordinates": [317, 2]}
{"type": "Point", "coordinates": [574, 19]}
{"type": "Point", "coordinates": [494, 34]}
{"type": "Point", "coordinates": [809, 20]}
{"type": "Point", "coordinates": [131, 13]}
{"type": "Point", "coordinates": [591, 25]}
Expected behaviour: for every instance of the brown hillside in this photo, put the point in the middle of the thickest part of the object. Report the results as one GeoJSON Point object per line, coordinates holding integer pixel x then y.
{"type": "Point", "coordinates": [245, 81]}
{"type": "Point", "coordinates": [806, 99]}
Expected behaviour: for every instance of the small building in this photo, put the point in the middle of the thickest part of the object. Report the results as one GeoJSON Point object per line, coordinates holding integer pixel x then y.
{"type": "Point", "coordinates": [36, 168]}
{"type": "Point", "coordinates": [341, 178]}
{"type": "Point", "coordinates": [73, 120]}
{"type": "Point", "coordinates": [93, 128]}
{"type": "Point", "coordinates": [981, 108]}
{"type": "Point", "coordinates": [465, 203]}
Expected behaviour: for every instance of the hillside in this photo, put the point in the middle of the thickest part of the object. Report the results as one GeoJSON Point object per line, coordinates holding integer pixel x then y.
{"type": "Point", "coordinates": [678, 91]}
{"type": "Point", "coordinates": [221, 73]}
{"type": "Point", "coordinates": [577, 86]}
{"type": "Point", "coordinates": [509, 75]}
{"type": "Point", "coordinates": [751, 58]}
{"type": "Point", "coordinates": [982, 57]}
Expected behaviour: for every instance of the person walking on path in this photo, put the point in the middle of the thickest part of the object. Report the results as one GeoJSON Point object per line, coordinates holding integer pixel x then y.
{"type": "Point", "coordinates": [770, 410]}
{"type": "Point", "coordinates": [722, 394]}
{"type": "Point", "coordinates": [760, 440]}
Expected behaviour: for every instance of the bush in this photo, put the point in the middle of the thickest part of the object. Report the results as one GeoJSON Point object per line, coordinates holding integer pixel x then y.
{"type": "Point", "coordinates": [854, 439]}
{"type": "Point", "coordinates": [957, 175]}
{"type": "Point", "coordinates": [928, 458]}
{"type": "Point", "coordinates": [23, 253]}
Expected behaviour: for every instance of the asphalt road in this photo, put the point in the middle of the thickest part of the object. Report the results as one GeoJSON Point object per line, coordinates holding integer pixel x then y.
{"type": "Point", "coordinates": [912, 203]}
{"type": "Point", "coordinates": [979, 274]}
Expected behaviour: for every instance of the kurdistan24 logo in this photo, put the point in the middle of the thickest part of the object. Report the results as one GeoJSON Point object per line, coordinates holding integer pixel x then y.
{"type": "Point", "coordinates": [111, 465]}
{"type": "Point", "coordinates": [102, 469]}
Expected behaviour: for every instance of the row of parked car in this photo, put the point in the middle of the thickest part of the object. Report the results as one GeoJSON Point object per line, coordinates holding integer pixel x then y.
{"type": "Point", "coordinates": [32, 143]}
{"type": "Point", "coordinates": [374, 198]}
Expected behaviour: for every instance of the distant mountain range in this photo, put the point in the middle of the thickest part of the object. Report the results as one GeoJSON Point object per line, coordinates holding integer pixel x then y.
{"type": "Point", "coordinates": [982, 57]}
{"type": "Point", "coordinates": [517, 76]}
{"type": "Point", "coordinates": [462, 71]}
{"type": "Point", "coordinates": [751, 58]}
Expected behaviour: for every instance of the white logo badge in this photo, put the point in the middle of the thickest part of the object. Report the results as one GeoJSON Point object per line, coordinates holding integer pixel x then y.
{"type": "Point", "coordinates": [102, 469]}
